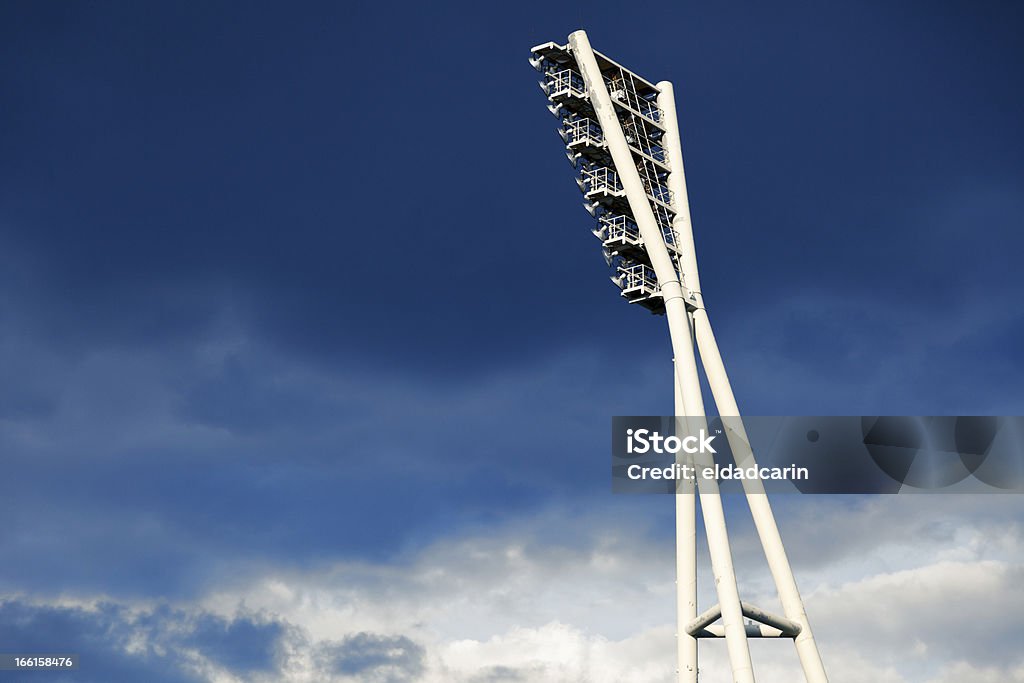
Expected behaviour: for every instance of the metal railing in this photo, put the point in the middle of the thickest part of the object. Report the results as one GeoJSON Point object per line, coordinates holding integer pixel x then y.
{"type": "Point", "coordinates": [620, 227]}
{"type": "Point", "coordinates": [658, 191]}
{"type": "Point", "coordinates": [640, 138]}
{"type": "Point", "coordinates": [600, 178]}
{"type": "Point", "coordinates": [649, 176]}
{"type": "Point", "coordinates": [638, 276]}
{"type": "Point", "coordinates": [582, 130]}
{"type": "Point", "coordinates": [622, 89]}
{"type": "Point", "coordinates": [567, 81]}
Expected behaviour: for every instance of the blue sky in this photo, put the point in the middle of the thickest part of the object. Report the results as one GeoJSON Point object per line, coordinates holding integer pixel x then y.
{"type": "Point", "coordinates": [293, 299]}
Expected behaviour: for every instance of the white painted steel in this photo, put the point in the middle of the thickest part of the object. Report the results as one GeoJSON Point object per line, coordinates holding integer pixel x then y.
{"type": "Point", "coordinates": [690, 328]}
{"type": "Point", "coordinates": [707, 617]}
{"type": "Point", "coordinates": [682, 346]}
{"type": "Point", "coordinates": [686, 558]}
{"type": "Point", "coordinates": [725, 401]}
{"type": "Point", "coordinates": [753, 631]}
{"type": "Point", "coordinates": [688, 392]}
{"type": "Point", "coordinates": [787, 626]}
{"type": "Point", "coordinates": [760, 509]}
{"type": "Point", "coordinates": [784, 626]}
{"type": "Point", "coordinates": [677, 187]}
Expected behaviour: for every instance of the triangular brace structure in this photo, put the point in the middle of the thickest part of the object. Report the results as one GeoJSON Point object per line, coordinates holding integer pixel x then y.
{"type": "Point", "coordinates": [621, 133]}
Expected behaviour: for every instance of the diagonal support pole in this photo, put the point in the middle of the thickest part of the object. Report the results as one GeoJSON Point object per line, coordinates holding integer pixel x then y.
{"type": "Point", "coordinates": [760, 509]}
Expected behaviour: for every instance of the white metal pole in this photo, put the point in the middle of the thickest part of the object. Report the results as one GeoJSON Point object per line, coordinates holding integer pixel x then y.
{"type": "Point", "coordinates": [760, 508]}
{"type": "Point", "coordinates": [677, 186]}
{"type": "Point", "coordinates": [686, 512]}
{"type": "Point", "coordinates": [725, 400]}
{"type": "Point", "coordinates": [714, 525]}
{"type": "Point", "coordinates": [686, 558]}
{"type": "Point", "coordinates": [682, 346]}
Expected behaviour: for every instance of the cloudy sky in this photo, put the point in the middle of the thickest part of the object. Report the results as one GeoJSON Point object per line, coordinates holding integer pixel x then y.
{"type": "Point", "coordinates": [307, 355]}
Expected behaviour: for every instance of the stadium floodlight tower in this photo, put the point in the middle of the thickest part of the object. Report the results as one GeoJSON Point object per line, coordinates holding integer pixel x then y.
{"type": "Point", "coordinates": [620, 132]}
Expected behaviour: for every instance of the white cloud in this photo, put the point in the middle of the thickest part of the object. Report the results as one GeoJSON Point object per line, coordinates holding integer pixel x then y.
{"type": "Point", "coordinates": [568, 597]}
{"type": "Point", "coordinates": [960, 672]}
{"type": "Point", "coordinates": [600, 606]}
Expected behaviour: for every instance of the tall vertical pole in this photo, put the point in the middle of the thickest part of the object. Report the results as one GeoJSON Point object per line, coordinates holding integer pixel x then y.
{"type": "Point", "coordinates": [682, 347]}
{"type": "Point", "coordinates": [725, 401]}
{"type": "Point", "coordinates": [686, 555]}
{"type": "Point", "coordinates": [686, 522]}
{"type": "Point", "coordinates": [677, 187]}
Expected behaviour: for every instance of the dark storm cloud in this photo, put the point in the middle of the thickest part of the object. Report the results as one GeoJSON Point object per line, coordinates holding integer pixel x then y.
{"type": "Point", "coordinates": [115, 643]}
{"type": "Point", "coordinates": [497, 674]}
{"type": "Point", "coordinates": [152, 489]}
{"type": "Point", "coordinates": [240, 645]}
{"type": "Point", "coordinates": [358, 192]}
{"type": "Point", "coordinates": [155, 178]}
{"type": "Point", "coordinates": [372, 657]}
